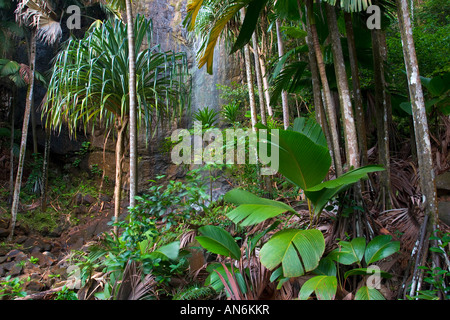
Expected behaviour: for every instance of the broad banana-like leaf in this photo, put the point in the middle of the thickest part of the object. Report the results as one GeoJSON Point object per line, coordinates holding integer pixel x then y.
{"type": "Point", "coordinates": [166, 252]}
{"type": "Point", "coordinates": [349, 252]}
{"type": "Point", "coordinates": [368, 293]}
{"type": "Point", "coordinates": [326, 267]}
{"type": "Point", "coordinates": [322, 193]}
{"type": "Point", "coordinates": [218, 241]}
{"type": "Point", "coordinates": [302, 161]}
{"type": "Point", "coordinates": [298, 251]}
{"type": "Point", "coordinates": [365, 272]}
{"type": "Point", "coordinates": [8, 67]}
{"type": "Point", "coordinates": [311, 129]}
{"type": "Point", "coordinates": [380, 247]}
{"type": "Point", "coordinates": [325, 288]}
{"type": "Point", "coordinates": [253, 209]}
{"type": "Point", "coordinates": [437, 85]}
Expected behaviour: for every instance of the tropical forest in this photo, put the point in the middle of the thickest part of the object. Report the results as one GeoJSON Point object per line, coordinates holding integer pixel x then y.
{"type": "Point", "coordinates": [213, 151]}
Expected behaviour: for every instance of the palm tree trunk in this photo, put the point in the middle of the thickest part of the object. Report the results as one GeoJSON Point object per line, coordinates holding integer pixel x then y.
{"type": "Point", "coordinates": [351, 145]}
{"type": "Point", "coordinates": [120, 146]}
{"type": "Point", "coordinates": [382, 123]}
{"type": "Point", "coordinates": [248, 71]}
{"type": "Point", "coordinates": [23, 142]}
{"type": "Point", "coordinates": [332, 119]}
{"type": "Point", "coordinates": [11, 161]}
{"type": "Point", "coordinates": [45, 165]}
{"type": "Point", "coordinates": [359, 110]}
{"type": "Point", "coordinates": [133, 111]}
{"type": "Point", "coordinates": [422, 136]}
{"type": "Point", "coordinates": [262, 62]}
{"type": "Point", "coordinates": [32, 113]}
{"type": "Point", "coordinates": [284, 96]}
{"type": "Point", "coordinates": [321, 116]}
{"type": "Point", "coordinates": [259, 79]}
{"type": "Point", "coordinates": [33, 129]}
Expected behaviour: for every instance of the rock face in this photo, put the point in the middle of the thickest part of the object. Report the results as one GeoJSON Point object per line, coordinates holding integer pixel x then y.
{"type": "Point", "coordinates": [154, 157]}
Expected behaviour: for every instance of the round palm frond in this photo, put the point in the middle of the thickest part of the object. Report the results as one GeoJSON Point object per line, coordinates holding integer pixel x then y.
{"type": "Point", "coordinates": [39, 14]}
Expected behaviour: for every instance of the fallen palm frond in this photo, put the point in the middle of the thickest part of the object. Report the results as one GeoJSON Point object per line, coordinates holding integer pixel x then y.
{"type": "Point", "coordinates": [133, 285]}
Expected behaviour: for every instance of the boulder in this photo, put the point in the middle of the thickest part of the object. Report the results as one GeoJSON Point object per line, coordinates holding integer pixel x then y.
{"type": "Point", "coordinates": [37, 245]}
{"type": "Point", "coordinates": [16, 255]}
{"type": "Point", "coordinates": [444, 212]}
{"type": "Point", "coordinates": [4, 223]}
{"type": "Point", "coordinates": [105, 198]}
{"type": "Point", "coordinates": [34, 286]}
{"type": "Point", "coordinates": [443, 181]}
{"type": "Point", "coordinates": [15, 270]}
{"type": "Point", "coordinates": [46, 259]}
{"type": "Point", "coordinates": [4, 233]}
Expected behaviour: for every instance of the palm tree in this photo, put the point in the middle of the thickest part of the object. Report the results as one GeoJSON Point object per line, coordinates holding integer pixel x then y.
{"type": "Point", "coordinates": [422, 136]}
{"type": "Point", "coordinates": [259, 80]}
{"type": "Point", "coordinates": [356, 86]}
{"type": "Point", "coordinates": [37, 15]}
{"type": "Point", "coordinates": [132, 97]}
{"type": "Point", "coordinates": [284, 96]}
{"type": "Point", "coordinates": [329, 105]}
{"type": "Point", "coordinates": [351, 145]}
{"type": "Point", "coordinates": [248, 72]}
{"type": "Point", "coordinates": [90, 85]}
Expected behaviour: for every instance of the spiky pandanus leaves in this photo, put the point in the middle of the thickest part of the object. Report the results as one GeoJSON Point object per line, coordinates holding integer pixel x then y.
{"type": "Point", "coordinates": [90, 85]}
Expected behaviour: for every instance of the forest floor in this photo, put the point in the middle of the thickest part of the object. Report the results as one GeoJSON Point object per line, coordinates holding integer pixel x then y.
{"type": "Point", "coordinates": [43, 251]}
{"type": "Point", "coordinates": [43, 259]}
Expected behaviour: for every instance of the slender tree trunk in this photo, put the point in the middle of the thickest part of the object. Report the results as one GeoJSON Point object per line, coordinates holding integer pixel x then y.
{"type": "Point", "coordinates": [422, 136]}
{"type": "Point", "coordinates": [321, 116]}
{"type": "Point", "coordinates": [251, 90]}
{"type": "Point", "coordinates": [262, 62]}
{"type": "Point", "coordinates": [45, 165]}
{"type": "Point", "coordinates": [332, 119]}
{"type": "Point", "coordinates": [120, 146]}
{"type": "Point", "coordinates": [259, 79]}
{"type": "Point", "coordinates": [133, 107]}
{"type": "Point", "coordinates": [32, 113]}
{"type": "Point", "coordinates": [23, 142]}
{"type": "Point", "coordinates": [351, 145]}
{"type": "Point", "coordinates": [382, 122]}
{"type": "Point", "coordinates": [11, 162]}
{"type": "Point", "coordinates": [265, 82]}
{"type": "Point", "coordinates": [33, 129]}
{"type": "Point", "coordinates": [284, 96]}
{"type": "Point", "coordinates": [358, 100]}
